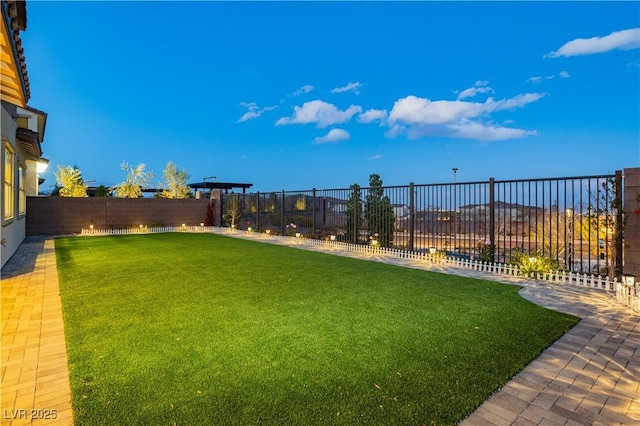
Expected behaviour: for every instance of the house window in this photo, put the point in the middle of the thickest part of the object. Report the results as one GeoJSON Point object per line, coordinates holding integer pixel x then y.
{"type": "Point", "coordinates": [8, 195]}
{"type": "Point", "coordinates": [22, 190]}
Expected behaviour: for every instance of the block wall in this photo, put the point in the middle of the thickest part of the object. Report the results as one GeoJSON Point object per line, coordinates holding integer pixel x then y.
{"type": "Point", "coordinates": [61, 215]}
{"type": "Point", "coordinates": [632, 228]}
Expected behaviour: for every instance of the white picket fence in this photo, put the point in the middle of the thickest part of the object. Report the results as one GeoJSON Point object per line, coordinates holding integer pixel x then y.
{"type": "Point", "coordinates": [560, 277]}
{"type": "Point", "coordinates": [626, 295]}
{"type": "Point", "coordinates": [148, 230]}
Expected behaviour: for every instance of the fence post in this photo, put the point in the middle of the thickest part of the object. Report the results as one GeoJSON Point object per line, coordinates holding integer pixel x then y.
{"type": "Point", "coordinates": [617, 236]}
{"type": "Point", "coordinates": [313, 217]}
{"type": "Point", "coordinates": [324, 213]}
{"type": "Point", "coordinates": [282, 213]}
{"type": "Point", "coordinates": [411, 216]}
{"type": "Point", "coordinates": [221, 209]}
{"type": "Point", "coordinates": [492, 218]}
{"type": "Point", "coordinates": [258, 211]}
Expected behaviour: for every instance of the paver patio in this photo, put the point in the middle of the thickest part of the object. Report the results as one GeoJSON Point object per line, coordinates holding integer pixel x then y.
{"type": "Point", "coordinates": [589, 376]}
{"type": "Point", "coordinates": [35, 375]}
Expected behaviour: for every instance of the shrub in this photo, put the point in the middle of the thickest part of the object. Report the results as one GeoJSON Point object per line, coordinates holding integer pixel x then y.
{"type": "Point", "coordinates": [303, 221]}
{"type": "Point", "coordinates": [535, 262]}
{"type": "Point", "coordinates": [485, 251]}
{"type": "Point", "coordinates": [208, 220]}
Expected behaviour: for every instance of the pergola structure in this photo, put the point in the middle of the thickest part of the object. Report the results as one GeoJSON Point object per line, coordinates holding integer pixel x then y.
{"type": "Point", "coordinates": [220, 185]}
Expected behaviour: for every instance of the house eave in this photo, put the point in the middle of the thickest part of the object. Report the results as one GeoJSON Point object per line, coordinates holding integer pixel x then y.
{"type": "Point", "coordinates": [15, 79]}
{"type": "Point", "coordinates": [30, 142]}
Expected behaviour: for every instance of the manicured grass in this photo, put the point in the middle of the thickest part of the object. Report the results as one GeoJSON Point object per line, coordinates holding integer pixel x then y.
{"type": "Point", "coordinates": [203, 329]}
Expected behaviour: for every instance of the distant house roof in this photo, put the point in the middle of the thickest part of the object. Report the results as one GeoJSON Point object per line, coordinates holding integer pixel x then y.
{"type": "Point", "coordinates": [499, 204]}
{"type": "Point", "coordinates": [220, 185]}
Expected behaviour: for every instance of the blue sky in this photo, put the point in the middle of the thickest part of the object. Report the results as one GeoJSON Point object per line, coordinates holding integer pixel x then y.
{"type": "Point", "coordinates": [302, 95]}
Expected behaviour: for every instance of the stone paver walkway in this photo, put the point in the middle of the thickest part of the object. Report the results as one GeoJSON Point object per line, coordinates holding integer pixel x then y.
{"type": "Point", "coordinates": [590, 376]}
{"type": "Point", "coordinates": [34, 369]}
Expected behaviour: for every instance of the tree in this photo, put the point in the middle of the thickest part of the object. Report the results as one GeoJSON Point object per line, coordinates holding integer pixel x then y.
{"type": "Point", "coordinates": [378, 212]}
{"type": "Point", "coordinates": [136, 179]}
{"type": "Point", "coordinates": [176, 182]}
{"type": "Point", "coordinates": [102, 191]}
{"type": "Point", "coordinates": [354, 214]}
{"type": "Point", "coordinates": [605, 215]}
{"type": "Point", "coordinates": [208, 220]}
{"type": "Point", "coordinates": [69, 181]}
{"type": "Point", "coordinates": [232, 213]}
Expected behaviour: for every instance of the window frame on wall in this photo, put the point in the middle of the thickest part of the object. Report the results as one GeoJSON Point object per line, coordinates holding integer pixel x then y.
{"type": "Point", "coordinates": [22, 189]}
{"type": "Point", "coordinates": [8, 183]}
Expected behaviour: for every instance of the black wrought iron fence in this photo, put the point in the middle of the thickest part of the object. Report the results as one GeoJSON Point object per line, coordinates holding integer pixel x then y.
{"type": "Point", "coordinates": [574, 220]}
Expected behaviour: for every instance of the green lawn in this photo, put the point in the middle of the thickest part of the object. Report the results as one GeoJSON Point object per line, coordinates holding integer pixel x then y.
{"type": "Point", "coordinates": [195, 329]}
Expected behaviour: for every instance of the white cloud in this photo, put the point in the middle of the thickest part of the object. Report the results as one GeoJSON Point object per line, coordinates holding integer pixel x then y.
{"type": "Point", "coordinates": [375, 157]}
{"type": "Point", "coordinates": [418, 117]}
{"type": "Point", "coordinates": [353, 87]}
{"type": "Point", "coordinates": [372, 115]}
{"type": "Point", "coordinates": [479, 87]}
{"type": "Point", "coordinates": [467, 129]}
{"type": "Point", "coordinates": [415, 110]}
{"type": "Point", "coordinates": [301, 91]}
{"type": "Point", "coordinates": [254, 111]}
{"type": "Point", "coordinates": [321, 113]}
{"type": "Point", "coordinates": [334, 135]}
{"type": "Point", "coordinates": [485, 132]}
{"type": "Point", "coordinates": [249, 115]}
{"type": "Point", "coordinates": [396, 130]}
{"type": "Point", "coordinates": [518, 101]}
{"type": "Point", "coordinates": [617, 40]}
{"type": "Point", "coordinates": [538, 79]}
{"type": "Point", "coordinates": [473, 91]}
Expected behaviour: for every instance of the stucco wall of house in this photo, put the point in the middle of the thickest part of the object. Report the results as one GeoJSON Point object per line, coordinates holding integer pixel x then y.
{"type": "Point", "coordinates": [13, 230]}
{"type": "Point", "coordinates": [63, 216]}
{"type": "Point", "coordinates": [632, 227]}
